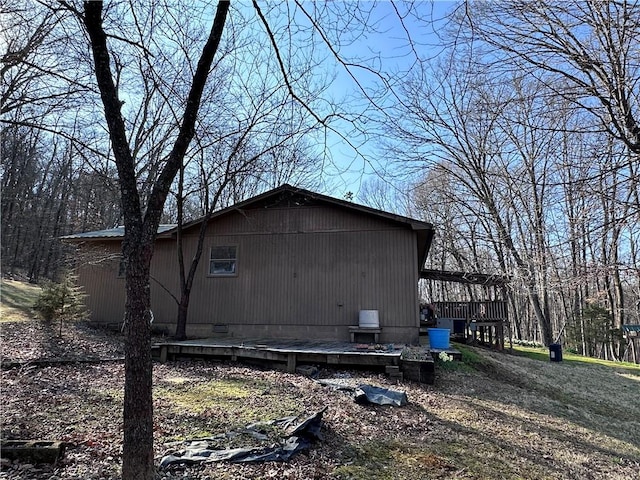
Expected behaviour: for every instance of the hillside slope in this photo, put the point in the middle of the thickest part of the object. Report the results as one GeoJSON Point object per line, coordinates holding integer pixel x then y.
{"type": "Point", "coordinates": [492, 416]}
{"type": "Point", "coordinates": [17, 299]}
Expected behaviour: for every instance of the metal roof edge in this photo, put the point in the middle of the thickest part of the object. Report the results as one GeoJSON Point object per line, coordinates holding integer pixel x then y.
{"type": "Point", "coordinates": [116, 233]}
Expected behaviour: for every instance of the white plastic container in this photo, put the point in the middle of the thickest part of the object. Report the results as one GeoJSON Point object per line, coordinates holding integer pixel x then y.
{"type": "Point", "coordinates": [369, 319]}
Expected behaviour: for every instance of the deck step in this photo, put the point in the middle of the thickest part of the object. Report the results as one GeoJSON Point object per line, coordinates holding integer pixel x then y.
{"type": "Point", "coordinates": [391, 369]}
{"type": "Point", "coordinates": [420, 370]}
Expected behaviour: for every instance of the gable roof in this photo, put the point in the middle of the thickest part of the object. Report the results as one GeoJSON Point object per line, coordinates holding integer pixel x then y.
{"type": "Point", "coordinates": [294, 196]}
{"type": "Point", "coordinates": [300, 197]}
{"type": "Point", "coordinates": [290, 196]}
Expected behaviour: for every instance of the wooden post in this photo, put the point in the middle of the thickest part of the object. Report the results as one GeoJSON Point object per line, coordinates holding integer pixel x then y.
{"type": "Point", "coordinates": [291, 363]}
{"type": "Point", "coordinates": [163, 353]}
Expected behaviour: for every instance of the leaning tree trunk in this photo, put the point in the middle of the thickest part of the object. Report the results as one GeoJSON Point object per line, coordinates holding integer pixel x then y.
{"type": "Point", "coordinates": [183, 310]}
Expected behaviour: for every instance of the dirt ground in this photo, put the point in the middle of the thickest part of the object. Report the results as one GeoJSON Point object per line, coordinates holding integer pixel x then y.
{"type": "Point", "coordinates": [492, 416]}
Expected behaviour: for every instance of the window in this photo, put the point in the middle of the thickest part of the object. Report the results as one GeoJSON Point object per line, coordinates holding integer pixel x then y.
{"type": "Point", "coordinates": [223, 261]}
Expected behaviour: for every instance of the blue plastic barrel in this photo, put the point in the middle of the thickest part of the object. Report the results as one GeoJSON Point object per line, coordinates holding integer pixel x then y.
{"type": "Point", "coordinates": [439, 338]}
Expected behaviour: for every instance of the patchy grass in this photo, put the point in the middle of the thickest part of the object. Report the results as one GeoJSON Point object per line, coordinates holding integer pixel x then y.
{"type": "Point", "coordinates": [470, 362]}
{"type": "Point", "coordinates": [392, 459]}
{"type": "Point", "coordinates": [16, 300]}
{"type": "Point", "coordinates": [568, 358]}
{"type": "Point", "coordinates": [213, 406]}
{"type": "Point", "coordinates": [370, 459]}
{"type": "Point", "coordinates": [602, 395]}
{"type": "Point", "coordinates": [201, 397]}
{"type": "Point", "coordinates": [247, 399]}
{"type": "Point", "coordinates": [506, 416]}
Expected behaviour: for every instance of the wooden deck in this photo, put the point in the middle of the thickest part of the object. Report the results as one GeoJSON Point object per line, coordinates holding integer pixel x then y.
{"type": "Point", "coordinates": [289, 352]}
{"type": "Point", "coordinates": [480, 322]}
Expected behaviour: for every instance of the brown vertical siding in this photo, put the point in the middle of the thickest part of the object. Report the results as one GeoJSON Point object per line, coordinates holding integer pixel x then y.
{"type": "Point", "coordinates": [165, 278]}
{"type": "Point", "coordinates": [313, 272]}
{"type": "Point", "coordinates": [301, 272]}
{"type": "Point", "coordinates": [98, 274]}
{"type": "Point", "coordinates": [106, 290]}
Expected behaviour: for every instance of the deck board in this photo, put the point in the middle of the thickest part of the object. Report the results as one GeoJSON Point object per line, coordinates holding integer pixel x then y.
{"type": "Point", "coordinates": [287, 346]}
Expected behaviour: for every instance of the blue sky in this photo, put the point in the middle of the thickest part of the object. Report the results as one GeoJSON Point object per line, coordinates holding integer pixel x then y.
{"type": "Point", "coordinates": [386, 48]}
{"type": "Point", "coordinates": [393, 52]}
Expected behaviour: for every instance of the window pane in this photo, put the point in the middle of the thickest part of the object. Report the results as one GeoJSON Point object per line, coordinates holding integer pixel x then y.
{"type": "Point", "coordinates": [223, 252]}
{"type": "Point", "coordinates": [223, 267]}
{"type": "Point", "coordinates": [223, 260]}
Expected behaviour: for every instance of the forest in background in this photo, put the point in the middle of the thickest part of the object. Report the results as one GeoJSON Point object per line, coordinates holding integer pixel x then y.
{"type": "Point", "coordinates": [531, 130]}
{"type": "Point", "coordinates": [519, 141]}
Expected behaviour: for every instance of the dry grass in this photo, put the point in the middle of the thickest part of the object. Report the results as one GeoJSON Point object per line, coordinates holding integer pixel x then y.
{"type": "Point", "coordinates": [16, 300]}
{"type": "Point", "coordinates": [525, 418]}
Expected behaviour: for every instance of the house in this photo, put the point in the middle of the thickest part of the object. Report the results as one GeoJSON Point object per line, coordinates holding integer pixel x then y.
{"type": "Point", "coordinates": [288, 263]}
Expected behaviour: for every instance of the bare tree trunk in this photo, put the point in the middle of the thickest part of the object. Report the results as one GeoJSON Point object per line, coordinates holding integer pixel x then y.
{"type": "Point", "coordinates": [140, 232]}
{"type": "Point", "coordinates": [138, 402]}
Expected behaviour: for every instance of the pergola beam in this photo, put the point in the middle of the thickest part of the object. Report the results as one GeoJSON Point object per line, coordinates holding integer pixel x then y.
{"type": "Point", "coordinates": [473, 278]}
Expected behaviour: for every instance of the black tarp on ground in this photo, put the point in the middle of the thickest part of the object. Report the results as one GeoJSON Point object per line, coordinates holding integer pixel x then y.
{"type": "Point", "coordinates": [380, 396]}
{"type": "Point", "coordinates": [299, 437]}
{"type": "Point", "coordinates": [368, 394]}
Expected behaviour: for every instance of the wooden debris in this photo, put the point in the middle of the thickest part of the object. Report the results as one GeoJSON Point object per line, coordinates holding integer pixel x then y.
{"type": "Point", "coordinates": [34, 451]}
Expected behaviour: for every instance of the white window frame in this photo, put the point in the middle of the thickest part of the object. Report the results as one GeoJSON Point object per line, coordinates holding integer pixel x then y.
{"type": "Point", "coordinates": [224, 258]}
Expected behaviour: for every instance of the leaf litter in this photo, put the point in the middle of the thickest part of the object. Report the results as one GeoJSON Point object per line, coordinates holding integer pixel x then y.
{"type": "Point", "coordinates": [469, 425]}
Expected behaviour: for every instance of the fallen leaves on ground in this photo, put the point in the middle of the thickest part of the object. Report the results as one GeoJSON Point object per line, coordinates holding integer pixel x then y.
{"type": "Point", "coordinates": [40, 340]}
{"type": "Point", "coordinates": [469, 425]}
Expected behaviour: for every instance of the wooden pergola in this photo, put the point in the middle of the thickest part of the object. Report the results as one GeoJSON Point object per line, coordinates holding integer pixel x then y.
{"type": "Point", "coordinates": [480, 321]}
